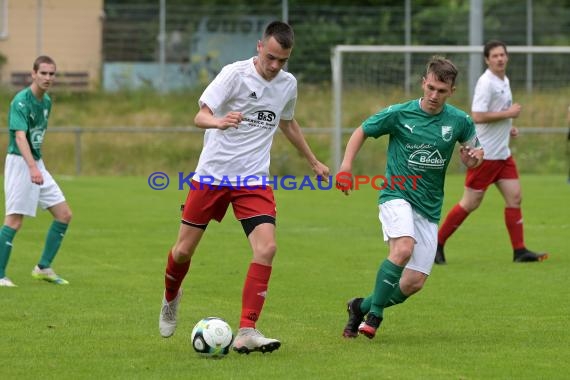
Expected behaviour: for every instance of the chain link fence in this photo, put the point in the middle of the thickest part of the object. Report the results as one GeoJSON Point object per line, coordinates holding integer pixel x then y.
{"type": "Point", "coordinates": [199, 40]}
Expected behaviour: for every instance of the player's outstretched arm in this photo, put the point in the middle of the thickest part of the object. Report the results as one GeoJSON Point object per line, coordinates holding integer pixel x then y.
{"type": "Point", "coordinates": [344, 180]}
{"type": "Point", "coordinates": [292, 131]}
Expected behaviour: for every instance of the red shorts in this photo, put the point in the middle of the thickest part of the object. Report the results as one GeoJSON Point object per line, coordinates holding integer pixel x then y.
{"type": "Point", "coordinates": [209, 202]}
{"type": "Point", "coordinates": [489, 172]}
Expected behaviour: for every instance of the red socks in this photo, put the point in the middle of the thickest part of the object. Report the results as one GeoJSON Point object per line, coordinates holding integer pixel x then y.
{"type": "Point", "coordinates": [254, 293]}
{"type": "Point", "coordinates": [173, 277]}
{"type": "Point", "coordinates": [514, 222]}
{"type": "Point", "coordinates": [254, 289]}
{"type": "Point", "coordinates": [453, 220]}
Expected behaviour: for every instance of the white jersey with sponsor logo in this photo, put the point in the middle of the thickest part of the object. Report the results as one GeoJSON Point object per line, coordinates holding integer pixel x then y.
{"type": "Point", "coordinates": [493, 94]}
{"type": "Point", "coordinates": [231, 155]}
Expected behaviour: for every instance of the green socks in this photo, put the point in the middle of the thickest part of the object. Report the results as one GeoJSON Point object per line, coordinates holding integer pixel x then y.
{"type": "Point", "coordinates": [6, 236]}
{"type": "Point", "coordinates": [387, 280]}
{"type": "Point", "coordinates": [396, 297]}
{"type": "Point", "coordinates": [53, 242]}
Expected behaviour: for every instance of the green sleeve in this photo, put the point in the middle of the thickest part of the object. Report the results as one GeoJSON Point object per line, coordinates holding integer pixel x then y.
{"type": "Point", "coordinates": [18, 120]}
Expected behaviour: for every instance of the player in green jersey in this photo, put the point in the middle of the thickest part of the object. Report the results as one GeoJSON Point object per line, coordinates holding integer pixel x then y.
{"type": "Point", "coordinates": [27, 183]}
{"type": "Point", "coordinates": [423, 134]}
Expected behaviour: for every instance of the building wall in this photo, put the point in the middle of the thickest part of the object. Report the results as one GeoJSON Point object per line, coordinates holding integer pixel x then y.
{"type": "Point", "coordinates": [70, 31]}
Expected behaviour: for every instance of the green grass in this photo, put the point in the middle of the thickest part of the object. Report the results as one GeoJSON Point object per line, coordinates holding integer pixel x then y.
{"type": "Point", "coordinates": [479, 317]}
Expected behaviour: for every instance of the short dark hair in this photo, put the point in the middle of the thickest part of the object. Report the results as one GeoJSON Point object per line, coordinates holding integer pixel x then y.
{"type": "Point", "coordinates": [443, 69]}
{"type": "Point", "coordinates": [490, 45]}
{"type": "Point", "coordinates": [42, 59]}
{"type": "Point", "coordinates": [282, 32]}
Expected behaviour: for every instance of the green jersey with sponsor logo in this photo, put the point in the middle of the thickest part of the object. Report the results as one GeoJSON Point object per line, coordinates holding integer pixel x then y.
{"type": "Point", "coordinates": [28, 114]}
{"type": "Point", "coordinates": [419, 151]}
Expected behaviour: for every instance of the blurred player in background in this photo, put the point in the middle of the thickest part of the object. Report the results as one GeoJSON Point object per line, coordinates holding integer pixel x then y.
{"type": "Point", "coordinates": [240, 110]}
{"type": "Point", "coordinates": [27, 183]}
{"type": "Point", "coordinates": [423, 134]}
{"type": "Point", "coordinates": [493, 111]}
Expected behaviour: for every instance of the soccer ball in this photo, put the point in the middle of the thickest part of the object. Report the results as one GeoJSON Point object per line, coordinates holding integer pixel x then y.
{"type": "Point", "coordinates": [212, 337]}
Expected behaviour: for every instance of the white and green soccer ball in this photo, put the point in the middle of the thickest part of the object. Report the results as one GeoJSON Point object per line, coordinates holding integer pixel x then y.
{"type": "Point", "coordinates": [212, 337]}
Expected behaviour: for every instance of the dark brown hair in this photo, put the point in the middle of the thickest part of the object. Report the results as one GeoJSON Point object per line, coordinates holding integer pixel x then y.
{"type": "Point", "coordinates": [443, 69]}
{"type": "Point", "coordinates": [42, 59]}
{"type": "Point", "coordinates": [282, 32]}
{"type": "Point", "coordinates": [490, 45]}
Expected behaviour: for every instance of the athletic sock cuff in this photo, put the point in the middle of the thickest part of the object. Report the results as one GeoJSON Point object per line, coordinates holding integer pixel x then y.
{"type": "Point", "coordinates": [59, 226]}
{"type": "Point", "coordinates": [8, 232]}
{"type": "Point", "coordinates": [259, 271]}
{"type": "Point", "coordinates": [391, 268]}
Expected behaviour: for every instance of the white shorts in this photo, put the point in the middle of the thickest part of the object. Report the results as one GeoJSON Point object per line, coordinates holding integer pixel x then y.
{"type": "Point", "coordinates": [23, 196]}
{"type": "Point", "coordinates": [399, 219]}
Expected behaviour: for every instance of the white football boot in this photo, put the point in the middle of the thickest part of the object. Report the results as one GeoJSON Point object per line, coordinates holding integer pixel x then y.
{"type": "Point", "coordinates": [250, 340]}
{"type": "Point", "coordinates": [167, 319]}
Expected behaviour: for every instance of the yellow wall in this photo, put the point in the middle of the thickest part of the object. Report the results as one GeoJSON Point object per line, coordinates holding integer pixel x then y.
{"type": "Point", "coordinates": [71, 33]}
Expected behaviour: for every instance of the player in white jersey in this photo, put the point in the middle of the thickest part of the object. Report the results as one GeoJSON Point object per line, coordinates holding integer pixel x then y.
{"type": "Point", "coordinates": [240, 110]}
{"type": "Point", "coordinates": [493, 111]}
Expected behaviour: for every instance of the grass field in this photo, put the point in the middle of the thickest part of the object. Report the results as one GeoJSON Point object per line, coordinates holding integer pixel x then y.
{"type": "Point", "coordinates": [479, 317]}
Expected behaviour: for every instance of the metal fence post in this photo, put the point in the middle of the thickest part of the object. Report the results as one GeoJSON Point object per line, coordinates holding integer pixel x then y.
{"type": "Point", "coordinates": [78, 131]}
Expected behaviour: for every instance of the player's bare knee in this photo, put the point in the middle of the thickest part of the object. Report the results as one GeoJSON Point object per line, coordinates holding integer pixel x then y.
{"type": "Point", "coordinates": [182, 253]}
{"type": "Point", "coordinates": [65, 217]}
{"type": "Point", "coordinates": [14, 221]}
{"type": "Point", "coordinates": [470, 205]}
{"type": "Point", "coordinates": [265, 252]}
{"type": "Point", "coordinates": [14, 224]}
{"type": "Point", "coordinates": [61, 212]}
{"type": "Point", "coordinates": [183, 250]}
{"type": "Point", "coordinates": [514, 201]}
{"type": "Point", "coordinates": [401, 250]}
{"type": "Point", "coordinates": [400, 258]}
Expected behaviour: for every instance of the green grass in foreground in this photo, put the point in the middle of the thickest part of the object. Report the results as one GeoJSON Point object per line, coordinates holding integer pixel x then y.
{"type": "Point", "coordinates": [479, 317]}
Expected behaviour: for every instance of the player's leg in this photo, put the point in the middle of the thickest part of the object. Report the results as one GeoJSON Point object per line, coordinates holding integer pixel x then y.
{"type": "Point", "coordinates": [256, 211]}
{"type": "Point", "coordinates": [56, 232]}
{"type": "Point", "coordinates": [203, 204]}
{"type": "Point", "coordinates": [469, 202]}
{"type": "Point", "coordinates": [397, 221]}
{"type": "Point", "coordinates": [177, 266]}
{"type": "Point", "coordinates": [12, 224]}
{"type": "Point", "coordinates": [51, 198]}
{"type": "Point", "coordinates": [422, 243]}
{"type": "Point", "coordinates": [411, 282]}
{"type": "Point", "coordinates": [262, 242]}
{"type": "Point", "coordinates": [477, 180]}
{"type": "Point", "coordinates": [387, 279]}
{"type": "Point", "coordinates": [357, 308]}
{"type": "Point", "coordinates": [420, 264]}
{"type": "Point", "coordinates": [21, 198]}
{"type": "Point", "coordinates": [511, 191]}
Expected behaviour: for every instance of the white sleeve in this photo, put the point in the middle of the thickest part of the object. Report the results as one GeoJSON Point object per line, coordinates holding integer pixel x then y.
{"type": "Point", "coordinates": [219, 90]}
{"type": "Point", "coordinates": [289, 109]}
{"type": "Point", "coordinates": [481, 96]}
